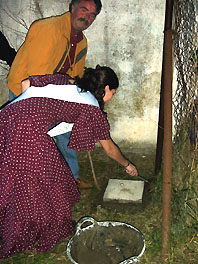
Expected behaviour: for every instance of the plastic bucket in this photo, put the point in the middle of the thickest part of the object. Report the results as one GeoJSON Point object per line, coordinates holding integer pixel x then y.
{"type": "Point", "coordinates": [105, 242]}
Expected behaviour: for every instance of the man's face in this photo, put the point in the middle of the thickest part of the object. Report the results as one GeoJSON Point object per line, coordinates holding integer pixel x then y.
{"type": "Point", "coordinates": [83, 15]}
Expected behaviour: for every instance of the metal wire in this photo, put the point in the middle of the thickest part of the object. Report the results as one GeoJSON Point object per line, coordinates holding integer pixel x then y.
{"type": "Point", "coordinates": [185, 102]}
{"type": "Point", "coordinates": [185, 47]}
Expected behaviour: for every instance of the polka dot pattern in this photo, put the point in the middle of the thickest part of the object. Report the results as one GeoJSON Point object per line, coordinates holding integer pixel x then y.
{"type": "Point", "coordinates": [37, 189]}
{"type": "Point", "coordinates": [42, 80]}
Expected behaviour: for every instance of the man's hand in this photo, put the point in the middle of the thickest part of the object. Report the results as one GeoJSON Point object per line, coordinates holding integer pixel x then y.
{"type": "Point", "coordinates": [25, 84]}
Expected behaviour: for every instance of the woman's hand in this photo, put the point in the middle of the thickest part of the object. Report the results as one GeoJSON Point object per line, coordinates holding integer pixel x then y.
{"type": "Point", "coordinates": [113, 152]}
{"type": "Point", "coordinates": [131, 170]}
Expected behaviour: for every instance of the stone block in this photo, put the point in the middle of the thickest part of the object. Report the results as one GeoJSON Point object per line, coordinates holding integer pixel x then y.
{"type": "Point", "coordinates": [124, 191]}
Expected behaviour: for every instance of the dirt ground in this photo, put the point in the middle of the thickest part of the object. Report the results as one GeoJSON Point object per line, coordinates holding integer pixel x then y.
{"type": "Point", "coordinates": [106, 169]}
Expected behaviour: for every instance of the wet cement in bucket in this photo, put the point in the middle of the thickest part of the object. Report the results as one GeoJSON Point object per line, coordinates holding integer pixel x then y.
{"type": "Point", "coordinates": [107, 245]}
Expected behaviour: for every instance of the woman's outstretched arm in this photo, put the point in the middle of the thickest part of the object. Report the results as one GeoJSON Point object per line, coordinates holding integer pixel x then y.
{"type": "Point", "coordinates": [113, 152]}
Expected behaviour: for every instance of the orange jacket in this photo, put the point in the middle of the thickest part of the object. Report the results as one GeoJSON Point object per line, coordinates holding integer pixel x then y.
{"type": "Point", "coordinates": [45, 50]}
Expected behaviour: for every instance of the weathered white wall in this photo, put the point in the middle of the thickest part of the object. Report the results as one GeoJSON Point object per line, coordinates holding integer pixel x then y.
{"type": "Point", "coordinates": [127, 36]}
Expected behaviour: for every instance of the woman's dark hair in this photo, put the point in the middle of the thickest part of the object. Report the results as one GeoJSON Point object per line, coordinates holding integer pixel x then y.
{"type": "Point", "coordinates": [95, 80]}
{"type": "Point", "coordinates": [76, 2]}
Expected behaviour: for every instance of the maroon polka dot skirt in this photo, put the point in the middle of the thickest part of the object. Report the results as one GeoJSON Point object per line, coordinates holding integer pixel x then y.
{"type": "Point", "coordinates": [37, 189]}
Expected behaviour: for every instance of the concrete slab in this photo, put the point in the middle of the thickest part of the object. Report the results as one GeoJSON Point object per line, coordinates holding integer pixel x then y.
{"type": "Point", "coordinates": [124, 191]}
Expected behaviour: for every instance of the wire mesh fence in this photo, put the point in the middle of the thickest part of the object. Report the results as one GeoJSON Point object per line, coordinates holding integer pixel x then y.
{"type": "Point", "coordinates": [185, 103]}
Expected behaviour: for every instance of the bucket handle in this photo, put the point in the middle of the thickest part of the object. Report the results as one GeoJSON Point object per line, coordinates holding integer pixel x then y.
{"type": "Point", "coordinates": [84, 220]}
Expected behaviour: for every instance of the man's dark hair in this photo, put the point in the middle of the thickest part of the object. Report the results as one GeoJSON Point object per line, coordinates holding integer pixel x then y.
{"type": "Point", "coordinates": [76, 2]}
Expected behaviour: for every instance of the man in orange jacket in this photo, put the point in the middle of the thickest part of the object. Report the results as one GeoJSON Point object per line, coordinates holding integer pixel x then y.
{"type": "Point", "coordinates": [56, 44]}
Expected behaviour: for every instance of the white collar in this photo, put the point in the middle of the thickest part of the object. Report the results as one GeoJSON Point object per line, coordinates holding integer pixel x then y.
{"type": "Point", "coordinates": [70, 93]}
